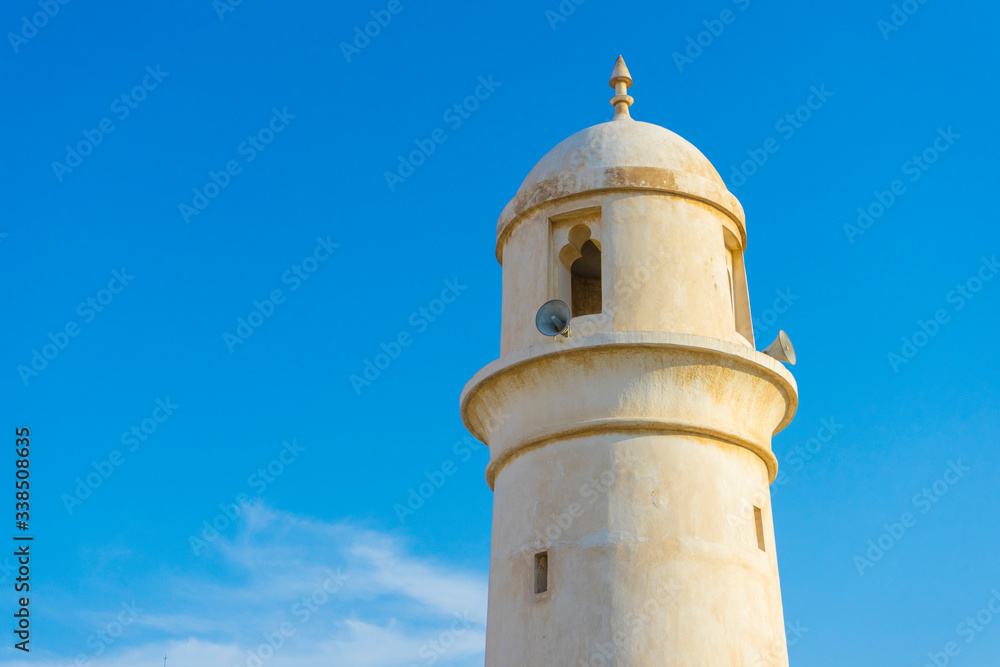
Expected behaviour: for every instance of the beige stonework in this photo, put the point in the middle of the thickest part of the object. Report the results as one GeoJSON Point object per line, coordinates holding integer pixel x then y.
{"type": "Point", "coordinates": [630, 461]}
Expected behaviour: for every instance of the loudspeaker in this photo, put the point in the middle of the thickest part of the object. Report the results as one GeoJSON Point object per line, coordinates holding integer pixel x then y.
{"type": "Point", "coordinates": [553, 318]}
{"type": "Point", "coordinates": [781, 349]}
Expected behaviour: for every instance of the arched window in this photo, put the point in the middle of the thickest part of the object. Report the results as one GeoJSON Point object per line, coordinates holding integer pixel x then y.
{"type": "Point", "coordinates": [736, 277]}
{"type": "Point", "coordinates": [581, 259]}
{"type": "Point", "coordinates": [585, 275]}
{"type": "Point", "coordinates": [730, 261]}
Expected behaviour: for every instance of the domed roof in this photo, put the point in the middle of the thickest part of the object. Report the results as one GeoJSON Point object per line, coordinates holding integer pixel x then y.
{"type": "Point", "coordinates": [623, 143]}
{"type": "Point", "coordinates": [621, 154]}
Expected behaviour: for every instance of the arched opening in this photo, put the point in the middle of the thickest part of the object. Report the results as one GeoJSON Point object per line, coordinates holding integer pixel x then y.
{"type": "Point", "coordinates": [736, 278]}
{"type": "Point", "coordinates": [730, 261]}
{"type": "Point", "coordinates": [585, 277]}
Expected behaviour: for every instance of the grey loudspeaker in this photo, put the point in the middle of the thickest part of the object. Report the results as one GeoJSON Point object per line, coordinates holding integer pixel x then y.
{"type": "Point", "coordinates": [553, 318]}
{"type": "Point", "coordinates": [781, 349]}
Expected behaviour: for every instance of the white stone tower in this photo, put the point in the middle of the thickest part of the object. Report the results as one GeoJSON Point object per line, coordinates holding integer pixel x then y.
{"type": "Point", "coordinates": [630, 461]}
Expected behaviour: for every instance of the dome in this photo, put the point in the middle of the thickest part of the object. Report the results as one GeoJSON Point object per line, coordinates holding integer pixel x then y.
{"type": "Point", "coordinates": [621, 154]}
{"type": "Point", "coordinates": [623, 143]}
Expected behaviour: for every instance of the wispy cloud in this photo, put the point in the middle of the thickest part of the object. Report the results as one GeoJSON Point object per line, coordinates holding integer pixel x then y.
{"type": "Point", "coordinates": [289, 590]}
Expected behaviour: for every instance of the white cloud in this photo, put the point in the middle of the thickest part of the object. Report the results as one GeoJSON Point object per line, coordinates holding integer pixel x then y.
{"type": "Point", "coordinates": [324, 593]}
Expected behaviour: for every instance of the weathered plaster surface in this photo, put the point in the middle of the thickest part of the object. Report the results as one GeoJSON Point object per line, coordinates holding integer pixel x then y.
{"type": "Point", "coordinates": [634, 451]}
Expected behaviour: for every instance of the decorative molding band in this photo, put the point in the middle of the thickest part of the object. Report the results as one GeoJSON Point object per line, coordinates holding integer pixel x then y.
{"type": "Point", "coordinates": [625, 426]}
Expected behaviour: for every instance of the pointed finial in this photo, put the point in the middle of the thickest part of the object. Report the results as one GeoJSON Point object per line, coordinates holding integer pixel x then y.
{"type": "Point", "coordinates": [620, 81]}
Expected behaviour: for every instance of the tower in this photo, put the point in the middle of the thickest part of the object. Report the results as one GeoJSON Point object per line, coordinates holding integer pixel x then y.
{"type": "Point", "coordinates": [630, 460]}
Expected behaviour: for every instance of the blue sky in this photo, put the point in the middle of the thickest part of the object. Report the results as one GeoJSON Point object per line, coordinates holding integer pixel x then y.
{"type": "Point", "coordinates": [245, 171]}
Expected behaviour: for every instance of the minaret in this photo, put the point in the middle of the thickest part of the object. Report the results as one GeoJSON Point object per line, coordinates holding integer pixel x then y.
{"type": "Point", "coordinates": [630, 459]}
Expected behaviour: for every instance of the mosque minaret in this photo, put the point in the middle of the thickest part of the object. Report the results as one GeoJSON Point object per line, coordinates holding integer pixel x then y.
{"type": "Point", "coordinates": [630, 453]}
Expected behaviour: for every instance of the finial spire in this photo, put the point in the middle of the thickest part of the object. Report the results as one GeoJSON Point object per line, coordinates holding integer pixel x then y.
{"type": "Point", "coordinates": [620, 81]}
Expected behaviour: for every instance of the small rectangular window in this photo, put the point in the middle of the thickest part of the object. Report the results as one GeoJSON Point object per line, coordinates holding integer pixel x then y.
{"type": "Point", "coordinates": [541, 572]}
{"type": "Point", "coordinates": [758, 519]}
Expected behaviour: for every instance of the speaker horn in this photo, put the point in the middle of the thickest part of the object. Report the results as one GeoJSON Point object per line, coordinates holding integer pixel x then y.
{"type": "Point", "coordinates": [553, 318]}
{"type": "Point", "coordinates": [781, 349]}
